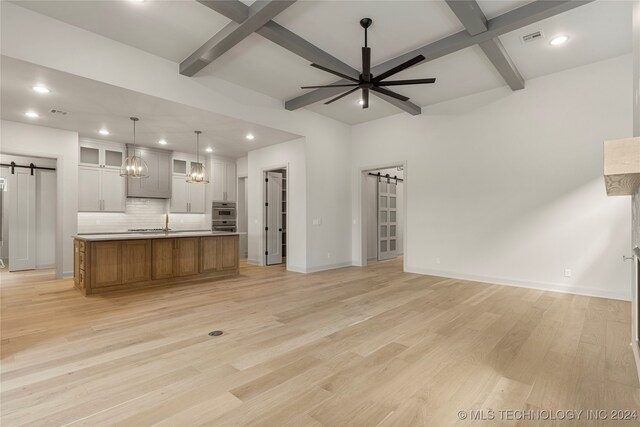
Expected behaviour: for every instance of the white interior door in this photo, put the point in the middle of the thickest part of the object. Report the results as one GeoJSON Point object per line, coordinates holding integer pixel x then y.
{"type": "Point", "coordinates": [387, 219]}
{"type": "Point", "coordinates": [273, 218]}
{"type": "Point", "coordinates": [22, 220]}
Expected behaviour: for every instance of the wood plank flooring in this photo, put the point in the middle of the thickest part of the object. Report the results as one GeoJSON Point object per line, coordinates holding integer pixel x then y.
{"type": "Point", "coordinates": [350, 347]}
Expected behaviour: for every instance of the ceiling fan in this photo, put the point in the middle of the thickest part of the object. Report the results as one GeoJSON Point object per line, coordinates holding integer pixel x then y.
{"type": "Point", "coordinates": [368, 81]}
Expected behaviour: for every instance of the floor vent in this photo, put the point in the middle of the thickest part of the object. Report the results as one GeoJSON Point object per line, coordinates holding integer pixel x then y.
{"type": "Point", "coordinates": [532, 37]}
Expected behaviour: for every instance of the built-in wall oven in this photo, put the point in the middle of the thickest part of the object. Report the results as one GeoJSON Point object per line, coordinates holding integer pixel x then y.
{"type": "Point", "coordinates": [223, 216]}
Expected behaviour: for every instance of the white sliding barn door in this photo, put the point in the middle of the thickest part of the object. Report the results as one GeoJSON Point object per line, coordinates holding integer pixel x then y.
{"type": "Point", "coordinates": [273, 218]}
{"type": "Point", "coordinates": [387, 219]}
{"type": "Point", "coordinates": [22, 220]}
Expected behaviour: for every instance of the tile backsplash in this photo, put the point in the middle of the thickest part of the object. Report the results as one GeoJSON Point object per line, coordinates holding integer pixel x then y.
{"type": "Point", "coordinates": [140, 213]}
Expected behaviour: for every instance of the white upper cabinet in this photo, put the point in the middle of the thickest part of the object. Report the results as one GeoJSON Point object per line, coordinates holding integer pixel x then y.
{"type": "Point", "coordinates": [112, 191]}
{"type": "Point", "coordinates": [197, 197]}
{"type": "Point", "coordinates": [185, 197]}
{"type": "Point", "coordinates": [100, 186]}
{"type": "Point", "coordinates": [89, 189]}
{"type": "Point", "coordinates": [223, 178]}
{"type": "Point", "coordinates": [101, 155]}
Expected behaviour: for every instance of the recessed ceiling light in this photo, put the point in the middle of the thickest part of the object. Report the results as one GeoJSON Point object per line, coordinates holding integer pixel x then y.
{"type": "Point", "coordinates": [361, 102]}
{"type": "Point", "coordinates": [41, 89]}
{"type": "Point", "coordinates": [103, 132]}
{"type": "Point", "coordinates": [250, 136]}
{"type": "Point", "coordinates": [31, 114]}
{"type": "Point", "coordinates": [558, 40]}
{"type": "Point", "coordinates": [209, 150]}
{"type": "Point", "coordinates": [162, 142]}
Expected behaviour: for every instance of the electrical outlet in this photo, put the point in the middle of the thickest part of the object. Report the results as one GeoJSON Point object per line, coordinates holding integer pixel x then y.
{"type": "Point", "coordinates": [328, 255]}
{"type": "Point", "coordinates": [97, 222]}
{"type": "Point", "coordinates": [438, 260]}
{"type": "Point", "coordinates": [567, 272]}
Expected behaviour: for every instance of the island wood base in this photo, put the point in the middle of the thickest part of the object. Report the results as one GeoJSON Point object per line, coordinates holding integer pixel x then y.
{"type": "Point", "coordinates": [111, 265]}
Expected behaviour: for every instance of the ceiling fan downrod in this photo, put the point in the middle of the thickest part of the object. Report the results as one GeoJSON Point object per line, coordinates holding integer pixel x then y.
{"type": "Point", "coordinates": [365, 23]}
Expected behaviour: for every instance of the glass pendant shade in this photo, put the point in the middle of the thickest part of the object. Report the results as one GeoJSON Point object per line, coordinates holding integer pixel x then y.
{"type": "Point", "coordinates": [134, 166]}
{"type": "Point", "coordinates": [198, 173]}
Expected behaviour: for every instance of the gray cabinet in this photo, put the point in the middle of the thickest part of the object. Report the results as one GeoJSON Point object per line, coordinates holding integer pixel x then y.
{"type": "Point", "coordinates": [158, 184]}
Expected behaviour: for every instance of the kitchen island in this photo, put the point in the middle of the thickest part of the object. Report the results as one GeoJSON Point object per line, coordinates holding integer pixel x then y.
{"type": "Point", "coordinates": [112, 262]}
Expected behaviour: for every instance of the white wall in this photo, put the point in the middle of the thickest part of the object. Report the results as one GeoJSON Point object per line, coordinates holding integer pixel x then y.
{"type": "Point", "coordinates": [30, 140]}
{"type": "Point", "coordinates": [507, 187]}
{"type": "Point", "coordinates": [242, 167]}
{"type": "Point", "coordinates": [243, 221]}
{"type": "Point", "coordinates": [45, 219]}
{"type": "Point", "coordinates": [292, 156]}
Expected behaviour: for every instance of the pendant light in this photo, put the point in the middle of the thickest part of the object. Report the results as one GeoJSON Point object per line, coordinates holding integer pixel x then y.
{"type": "Point", "coordinates": [134, 166]}
{"type": "Point", "coordinates": [198, 173]}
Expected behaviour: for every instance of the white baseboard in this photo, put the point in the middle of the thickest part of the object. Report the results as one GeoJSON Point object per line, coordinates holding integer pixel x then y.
{"type": "Point", "coordinates": [67, 274]}
{"type": "Point", "coordinates": [253, 261]}
{"type": "Point", "coordinates": [43, 266]}
{"type": "Point", "coordinates": [296, 269]}
{"type": "Point", "coordinates": [324, 267]}
{"type": "Point", "coordinates": [553, 287]}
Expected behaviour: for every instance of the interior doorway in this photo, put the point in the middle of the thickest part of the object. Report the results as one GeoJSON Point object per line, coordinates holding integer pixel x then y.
{"type": "Point", "coordinates": [275, 216]}
{"type": "Point", "coordinates": [383, 191]}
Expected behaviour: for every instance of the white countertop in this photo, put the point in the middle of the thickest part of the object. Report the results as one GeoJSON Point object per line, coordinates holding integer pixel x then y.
{"type": "Point", "coordinates": [160, 235]}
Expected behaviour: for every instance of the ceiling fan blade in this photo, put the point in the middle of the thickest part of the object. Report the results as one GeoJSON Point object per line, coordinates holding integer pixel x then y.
{"type": "Point", "coordinates": [341, 96]}
{"type": "Point", "coordinates": [365, 98]}
{"type": "Point", "coordinates": [406, 82]}
{"type": "Point", "coordinates": [320, 87]}
{"type": "Point", "coordinates": [366, 64]}
{"type": "Point", "coordinates": [397, 69]}
{"type": "Point", "coordinates": [390, 93]}
{"type": "Point", "coordinates": [344, 76]}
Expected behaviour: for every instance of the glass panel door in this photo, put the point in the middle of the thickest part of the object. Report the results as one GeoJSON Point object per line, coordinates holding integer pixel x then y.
{"type": "Point", "coordinates": [387, 216]}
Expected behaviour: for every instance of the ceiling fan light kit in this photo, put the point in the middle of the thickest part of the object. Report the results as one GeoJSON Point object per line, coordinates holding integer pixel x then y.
{"type": "Point", "coordinates": [367, 81]}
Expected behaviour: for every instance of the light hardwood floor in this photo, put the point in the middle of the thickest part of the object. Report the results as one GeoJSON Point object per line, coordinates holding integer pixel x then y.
{"type": "Point", "coordinates": [356, 346]}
